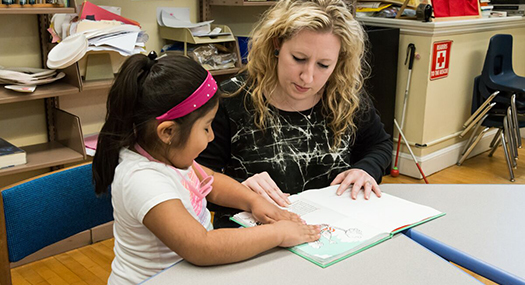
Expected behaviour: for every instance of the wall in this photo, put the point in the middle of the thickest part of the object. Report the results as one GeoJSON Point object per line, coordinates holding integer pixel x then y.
{"type": "Point", "coordinates": [244, 20]}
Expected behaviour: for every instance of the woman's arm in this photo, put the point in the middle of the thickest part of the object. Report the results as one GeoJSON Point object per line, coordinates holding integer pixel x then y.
{"type": "Point", "coordinates": [371, 154]}
{"type": "Point", "coordinates": [177, 229]}
{"type": "Point", "coordinates": [372, 151]}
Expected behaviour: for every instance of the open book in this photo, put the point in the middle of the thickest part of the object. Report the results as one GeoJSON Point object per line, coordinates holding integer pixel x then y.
{"type": "Point", "coordinates": [348, 226]}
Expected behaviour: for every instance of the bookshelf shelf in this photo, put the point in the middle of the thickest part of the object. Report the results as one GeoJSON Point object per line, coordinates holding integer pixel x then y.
{"type": "Point", "coordinates": [36, 11]}
{"type": "Point", "coordinates": [241, 3]}
{"type": "Point", "coordinates": [100, 85]}
{"type": "Point", "coordinates": [225, 71]}
{"type": "Point", "coordinates": [44, 155]}
{"type": "Point", "coordinates": [41, 92]}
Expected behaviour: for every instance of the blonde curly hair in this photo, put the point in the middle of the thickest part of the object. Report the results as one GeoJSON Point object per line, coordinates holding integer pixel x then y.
{"type": "Point", "coordinates": [342, 97]}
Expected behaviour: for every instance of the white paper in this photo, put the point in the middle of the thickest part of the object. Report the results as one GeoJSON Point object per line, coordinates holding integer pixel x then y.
{"type": "Point", "coordinates": [122, 41]}
{"type": "Point", "coordinates": [176, 21]}
{"type": "Point", "coordinates": [180, 18]}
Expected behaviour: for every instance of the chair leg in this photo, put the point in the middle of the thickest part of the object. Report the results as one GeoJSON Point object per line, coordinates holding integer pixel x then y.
{"type": "Point", "coordinates": [511, 137]}
{"type": "Point", "coordinates": [489, 99]}
{"type": "Point", "coordinates": [473, 134]}
{"type": "Point", "coordinates": [473, 123]}
{"type": "Point", "coordinates": [494, 146]}
{"type": "Point", "coordinates": [496, 138]}
{"type": "Point", "coordinates": [505, 150]}
{"type": "Point", "coordinates": [469, 150]}
{"type": "Point", "coordinates": [515, 119]}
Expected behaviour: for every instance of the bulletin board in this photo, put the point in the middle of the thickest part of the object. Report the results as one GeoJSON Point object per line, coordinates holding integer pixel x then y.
{"type": "Point", "coordinates": [456, 9]}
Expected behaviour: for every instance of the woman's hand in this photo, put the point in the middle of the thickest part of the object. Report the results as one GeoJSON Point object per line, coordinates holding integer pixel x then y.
{"type": "Point", "coordinates": [264, 185]}
{"type": "Point", "coordinates": [267, 212]}
{"type": "Point", "coordinates": [358, 179]}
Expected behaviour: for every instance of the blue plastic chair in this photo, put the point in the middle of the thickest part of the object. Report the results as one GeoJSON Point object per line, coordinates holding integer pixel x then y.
{"type": "Point", "coordinates": [48, 209]}
{"type": "Point", "coordinates": [498, 73]}
{"type": "Point", "coordinates": [490, 114]}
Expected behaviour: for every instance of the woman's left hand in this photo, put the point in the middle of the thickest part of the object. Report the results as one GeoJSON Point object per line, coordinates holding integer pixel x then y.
{"type": "Point", "coordinates": [358, 179]}
{"type": "Point", "coordinates": [266, 212]}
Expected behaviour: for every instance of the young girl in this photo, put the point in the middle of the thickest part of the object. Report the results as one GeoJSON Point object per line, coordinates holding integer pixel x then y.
{"type": "Point", "coordinates": [159, 114]}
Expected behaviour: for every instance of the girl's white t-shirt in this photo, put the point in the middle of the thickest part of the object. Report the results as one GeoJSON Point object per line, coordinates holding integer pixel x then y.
{"type": "Point", "coordinates": [138, 186]}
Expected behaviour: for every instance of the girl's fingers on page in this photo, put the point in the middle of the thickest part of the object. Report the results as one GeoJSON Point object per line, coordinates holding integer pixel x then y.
{"type": "Point", "coordinates": [315, 232]}
{"type": "Point", "coordinates": [294, 217]}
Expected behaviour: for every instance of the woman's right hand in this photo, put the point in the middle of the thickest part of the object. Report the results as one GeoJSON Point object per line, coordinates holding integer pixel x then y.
{"type": "Point", "coordinates": [295, 233]}
{"type": "Point", "coordinates": [263, 184]}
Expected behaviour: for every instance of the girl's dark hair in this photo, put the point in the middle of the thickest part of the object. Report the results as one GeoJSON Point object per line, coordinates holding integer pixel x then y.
{"type": "Point", "coordinates": [144, 89]}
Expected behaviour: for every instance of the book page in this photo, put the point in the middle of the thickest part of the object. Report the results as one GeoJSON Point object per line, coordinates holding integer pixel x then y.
{"type": "Point", "coordinates": [387, 213]}
{"type": "Point", "coordinates": [313, 213]}
{"type": "Point", "coordinates": [309, 211]}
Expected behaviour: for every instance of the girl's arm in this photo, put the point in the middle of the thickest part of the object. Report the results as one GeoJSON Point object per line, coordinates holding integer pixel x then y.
{"type": "Point", "coordinates": [177, 229]}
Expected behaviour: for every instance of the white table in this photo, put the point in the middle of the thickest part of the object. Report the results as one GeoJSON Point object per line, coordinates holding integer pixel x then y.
{"type": "Point", "coordinates": [483, 229]}
{"type": "Point", "coordinates": [396, 261]}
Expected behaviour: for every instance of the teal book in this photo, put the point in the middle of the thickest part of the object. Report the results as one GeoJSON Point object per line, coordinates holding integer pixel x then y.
{"type": "Point", "coordinates": [11, 155]}
{"type": "Point", "coordinates": [348, 226]}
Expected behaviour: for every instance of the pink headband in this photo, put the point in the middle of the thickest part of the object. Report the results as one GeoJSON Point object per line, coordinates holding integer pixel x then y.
{"type": "Point", "coordinates": [193, 102]}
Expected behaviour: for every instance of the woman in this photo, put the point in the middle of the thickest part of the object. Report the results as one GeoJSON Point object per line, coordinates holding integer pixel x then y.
{"type": "Point", "coordinates": [297, 118]}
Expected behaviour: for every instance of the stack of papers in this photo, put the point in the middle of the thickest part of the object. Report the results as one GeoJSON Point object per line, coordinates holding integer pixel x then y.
{"type": "Point", "coordinates": [124, 39]}
{"type": "Point", "coordinates": [99, 30]}
{"type": "Point", "coordinates": [25, 79]}
{"type": "Point", "coordinates": [180, 18]}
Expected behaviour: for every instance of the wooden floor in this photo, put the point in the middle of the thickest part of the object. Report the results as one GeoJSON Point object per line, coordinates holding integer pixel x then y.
{"type": "Point", "coordinates": [86, 265]}
{"type": "Point", "coordinates": [92, 264]}
{"type": "Point", "coordinates": [480, 169]}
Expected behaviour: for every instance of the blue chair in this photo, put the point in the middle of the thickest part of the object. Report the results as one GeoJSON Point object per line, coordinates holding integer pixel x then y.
{"type": "Point", "coordinates": [48, 209]}
{"type": "Point", "coordinates": [488, 113]}
{"type": "Point", "coordinates": [498, 73]}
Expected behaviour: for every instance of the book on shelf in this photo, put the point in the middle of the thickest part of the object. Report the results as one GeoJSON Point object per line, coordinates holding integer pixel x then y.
{"type": "Point", "coordinates": [348, 226]}
{"type": "Point", "coordinates": [11, 155]}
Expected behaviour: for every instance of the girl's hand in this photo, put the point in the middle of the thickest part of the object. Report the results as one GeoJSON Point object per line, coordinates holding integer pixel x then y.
{"type": "Point", "coordinates": [267, 212]}
{"type": "Point", "coordinates": [295, 233]}
{"type": "Point", "coordinates": [264, 185]}
{"type": "Point", "coordinates": [358, 179]}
